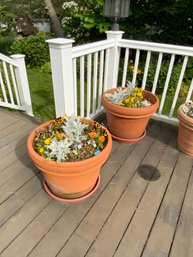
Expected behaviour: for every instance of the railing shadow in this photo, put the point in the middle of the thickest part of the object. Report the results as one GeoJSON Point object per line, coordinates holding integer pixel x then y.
{"type": "Point", "coordinates": [23, 157]}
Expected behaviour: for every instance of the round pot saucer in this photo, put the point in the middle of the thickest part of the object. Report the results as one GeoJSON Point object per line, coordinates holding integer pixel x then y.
{"type": "Point", "coordinates": [128, 141]}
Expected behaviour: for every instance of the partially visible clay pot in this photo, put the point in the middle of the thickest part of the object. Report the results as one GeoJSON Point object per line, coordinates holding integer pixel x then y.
{"type": "Point", "coordinates": [185, 132]}
{"type": "Point", "coordinates": [69, 180]}
{"type": "Point", "coordinates": [129, 124]}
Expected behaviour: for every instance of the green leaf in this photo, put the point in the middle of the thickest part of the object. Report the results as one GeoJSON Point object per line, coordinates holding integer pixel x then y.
{"type": "Point", "coordinates": [88, 25]}
{"type": "Point", "coordinates": [89, 19]}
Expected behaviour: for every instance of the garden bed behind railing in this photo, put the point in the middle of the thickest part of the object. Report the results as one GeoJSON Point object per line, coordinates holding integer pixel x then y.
{"type": "Point", "coordinates": [82, 73]}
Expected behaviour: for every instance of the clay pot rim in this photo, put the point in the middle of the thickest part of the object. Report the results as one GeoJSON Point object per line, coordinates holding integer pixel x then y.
{"type": "Point", "coordinates": [61, 164]}
{"type": "Point", "coordinates": [129, 108]}
{"type": "Point", "coordinates": [183, 115]}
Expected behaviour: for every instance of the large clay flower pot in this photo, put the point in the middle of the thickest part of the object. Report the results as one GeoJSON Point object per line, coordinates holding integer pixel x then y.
{"type": "Point", "coordinates": [69, 180]}
{"type": "Point", "coordinates": [128, 124]}
{"type": "Point", "coordinates": [185, 132]}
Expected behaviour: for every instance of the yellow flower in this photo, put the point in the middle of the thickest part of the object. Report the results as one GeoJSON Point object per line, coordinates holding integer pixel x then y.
{"type": "Point", "coordinates": [139, 71]}
{"type": "Point", "coordinates": [131, 68]}
{"type": "Point", "coordinates": [47, 141]}
{"type": "Point", "coordinates": [139, 95]}
{"type": "Point", "coordinates": [97, 125]}
{"type": "Point", "coordinates": [41, 150]}
{"type": "Point", "coordinates": [127, 100]}
{"type": "Point", "coordinates": [66, 116]}
{"type": "Point", "coordinates": [132, 99]}
{"type": "Point", "coordinates": [136, 89]}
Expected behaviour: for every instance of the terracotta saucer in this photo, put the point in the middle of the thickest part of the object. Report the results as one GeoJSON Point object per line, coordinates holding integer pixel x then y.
{"type": "Point", "coordinates": [129, 141]}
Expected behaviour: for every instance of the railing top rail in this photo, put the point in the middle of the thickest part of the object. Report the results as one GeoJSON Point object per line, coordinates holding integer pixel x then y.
{"type": "Point", "coordinates": [8, 60]}
{"type": "Point", "coordinates": [156, 47]}
{"type": "Point", "coordinates": [78, 51]}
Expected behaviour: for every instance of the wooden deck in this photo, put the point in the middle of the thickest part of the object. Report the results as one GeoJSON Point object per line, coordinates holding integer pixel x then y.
{"type": "Point", "coordinates": [142, 208]}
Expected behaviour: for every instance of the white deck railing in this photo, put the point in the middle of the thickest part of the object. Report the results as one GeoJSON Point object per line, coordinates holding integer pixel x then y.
{"type": "Point", "coordinates": [82, 73]}
{"type": "Point", "coordinates": [14, 88]}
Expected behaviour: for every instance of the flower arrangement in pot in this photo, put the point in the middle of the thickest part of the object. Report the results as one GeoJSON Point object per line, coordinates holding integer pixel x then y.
{"type": "Point", "coordinates": [70, 151]}
{"type": "Point", "coordinates": [128, 111]}
{"type": "Point", "coordinates": [185, 132]}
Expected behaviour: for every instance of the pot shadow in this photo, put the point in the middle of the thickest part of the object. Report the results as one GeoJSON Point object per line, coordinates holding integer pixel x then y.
{"type": "Point", "coordinates": [24, 158]}
{"type": "Point", "coordinates": [163, 132]}
{"type": "Point", "coordinates": [148, 172]}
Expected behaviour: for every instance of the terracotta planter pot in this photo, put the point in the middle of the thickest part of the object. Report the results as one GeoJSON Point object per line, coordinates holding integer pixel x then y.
{"type": "Point", "coordinates": [69, 180]}
{"type": "Point", "coordinates": [129, 124]}
{"type": "Point", "coordinates": [185, 132]}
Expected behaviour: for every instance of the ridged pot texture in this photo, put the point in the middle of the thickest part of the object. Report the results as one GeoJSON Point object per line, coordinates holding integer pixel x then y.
{"type": "Point", "coordinates": [69, 179]}
{"type": "Point", "coordinates": [185, 132]}
{"type": "Point", "coordinates": [129, 123]}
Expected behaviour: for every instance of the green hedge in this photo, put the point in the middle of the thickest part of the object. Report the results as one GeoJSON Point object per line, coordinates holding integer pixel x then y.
{"type": "Point", "coordinates": [34, 48]}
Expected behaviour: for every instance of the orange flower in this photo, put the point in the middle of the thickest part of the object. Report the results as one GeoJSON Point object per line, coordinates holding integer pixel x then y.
{"type": "Point", "coordinates": [59, 136]}
{"type": "Point", "coordinates": [102, 139]}
{"type": "Point", "coordinates": [93, 134]}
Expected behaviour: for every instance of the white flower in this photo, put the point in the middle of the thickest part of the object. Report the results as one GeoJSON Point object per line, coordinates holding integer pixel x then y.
{"type": "Point", "coordinates": [74, 128]}
{"type": "Point", "coordinates": [145, 103]}
{"type": "Point", "coordinates": [58, 149]}
{"type": "Point", "coordinates": [69, 4]}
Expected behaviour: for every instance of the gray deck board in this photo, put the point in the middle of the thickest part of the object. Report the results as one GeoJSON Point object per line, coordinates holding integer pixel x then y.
{"type": "Point", "coordinates": [131, 214]}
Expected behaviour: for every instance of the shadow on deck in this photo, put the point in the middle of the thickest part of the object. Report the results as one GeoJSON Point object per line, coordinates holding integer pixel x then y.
{"type": "Point", "coordinates": [142, 208]}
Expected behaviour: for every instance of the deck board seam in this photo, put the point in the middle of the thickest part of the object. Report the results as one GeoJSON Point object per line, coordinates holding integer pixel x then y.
{"type": "Point", "coordinates": [132, 149]}
{"type": "Point", "coordinates": [165, 192]}
{"type": "Point", "coordinates": [50, 228]}
{"type": "Point", "coordinates": [24, 203]}
{"type": "Point", "coordinates": [51, 200]}
{"type": "Point", "coordinates": [145, 189]}
{"type": "Point", "coordinates": [16, 158]}
{"type": "Point", "coordinates": [74, 231]}
{"type": "Point", "coordinates": [35, 174]}
{"type": "Point", "coordinates": [121, 193]}
{"type": "Point", "coordinates": [177, 223]}
{"type": "Point", "coordinates": [26, 133]}
{"type": "Point", "coordinates": [16, 121]}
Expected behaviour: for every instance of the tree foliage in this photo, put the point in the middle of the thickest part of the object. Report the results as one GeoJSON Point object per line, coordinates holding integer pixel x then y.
{"type": "Point", "coordinates": [83, 20]}
{"type": "Point", "coordinates": [13, 10]}
{"type": "Point", "coordinates": [169, 21]}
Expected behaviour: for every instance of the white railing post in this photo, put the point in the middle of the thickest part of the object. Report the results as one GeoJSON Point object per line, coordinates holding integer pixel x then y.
{"type": "Point", "coordinates": [113, 62]}
{"type": "Point", "coordinates": [62, 75]}
{"type": "Point", "coordinates": [22, 83]}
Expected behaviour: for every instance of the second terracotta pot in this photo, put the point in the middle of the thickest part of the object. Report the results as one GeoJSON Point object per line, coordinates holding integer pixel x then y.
{"type": "Point", "coordinates": [185, 132]}
{"type": "Point", "coordinates": [129, 124]}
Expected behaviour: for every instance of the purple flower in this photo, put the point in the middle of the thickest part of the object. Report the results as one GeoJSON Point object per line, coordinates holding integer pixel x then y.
{"type": "Point", "coordinates": [79, 145]}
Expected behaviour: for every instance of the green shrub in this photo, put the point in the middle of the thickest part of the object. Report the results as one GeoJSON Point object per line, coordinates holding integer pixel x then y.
{"type": "Point", "coordinates": [162, 76]}
{"type": "Point", "coordinates": [46, 68]}
{"type": "Point", "coordinates": [6, 41]}
{"type": "Point", "coordinates": [34, 48]}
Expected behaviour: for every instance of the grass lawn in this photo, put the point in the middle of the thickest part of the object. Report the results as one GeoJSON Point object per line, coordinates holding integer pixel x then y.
{"type": "Point", "coordinates": [43, 99]}
{"type": "Point", "coordinates": [41, 93]}
{"type": "Point", "coordinates": [168, 105]}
